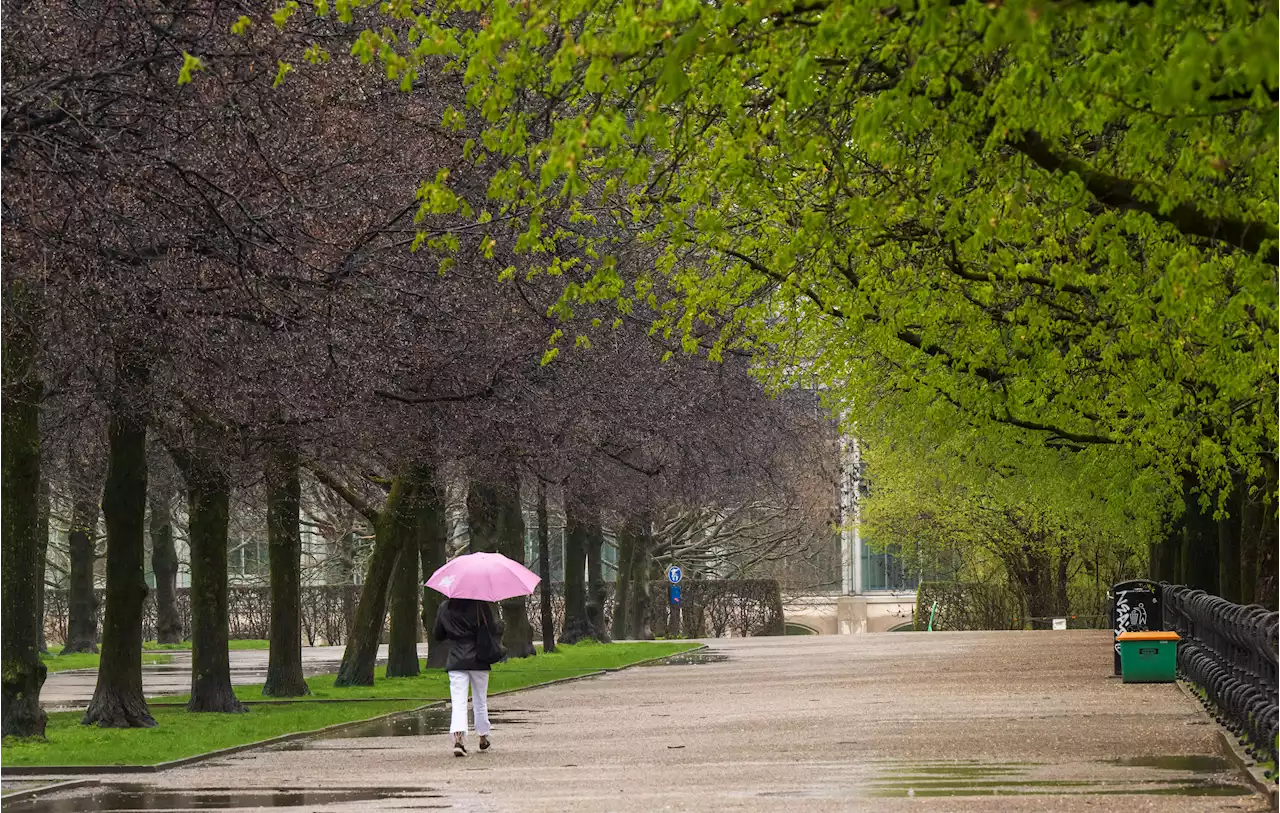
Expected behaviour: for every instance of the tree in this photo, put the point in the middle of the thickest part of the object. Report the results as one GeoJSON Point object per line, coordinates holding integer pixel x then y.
{"type": "Point", "coordinates": [577, 625]}
{"type": "Point", "coordinates": [394, 531]}
{"type": "Point", "coordinates": [1059, 218]}
{"type": "Point", "coordinates": [118, 701]}
{"type": "Point", "coordinates": [24, 673]}
{"type": "Point", "coordinates": [284, 549]}
{"type": "Point", "coordinates": [208, 518]}
{"type": "Point", "coordinates": [547, 620]}
{"type": "Point", "coordinates": [164, 564]}
{"type": "Point", "coordinates": [433, 538]}
{"type": "Point", "coordinates": [82, 610]}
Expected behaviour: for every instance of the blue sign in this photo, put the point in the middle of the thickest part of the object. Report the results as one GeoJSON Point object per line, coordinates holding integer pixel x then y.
{"type": "Point", "coordinates": [674, 591]}
{"type": "Point", "coordinates": [675, 574]}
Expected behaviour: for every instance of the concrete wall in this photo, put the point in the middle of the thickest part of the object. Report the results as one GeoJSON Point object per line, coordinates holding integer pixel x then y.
{"type": "Point", "coordinates": [850, 615]}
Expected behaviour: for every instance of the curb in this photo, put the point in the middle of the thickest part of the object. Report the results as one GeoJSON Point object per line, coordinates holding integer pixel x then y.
{"type": "Point", "coordinates": [62, 770]}
{"type": "Point", "coordinates": [1231, 746]}
{"type": "Point", "coordinates": [31, 793]}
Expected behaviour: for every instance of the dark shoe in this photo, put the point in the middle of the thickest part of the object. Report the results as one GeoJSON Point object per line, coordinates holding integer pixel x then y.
{"type": "Point", "coordinates": [484, 743]}
{"type": "Point", "coordinates": [459, 749]}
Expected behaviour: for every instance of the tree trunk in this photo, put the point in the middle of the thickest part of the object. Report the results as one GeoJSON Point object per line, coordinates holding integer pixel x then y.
{"type": "Point", "coordinates": [23, 673]}
{"type": "Point", "coordinates": [641, 564]}
{"type": "Point", "coordinates": [1199, 557]}
{"type": "Point", "coordinates": [284, 551]}
{"type": "Point", "coordinates": [595, 579]}
{"type": "Point", "coordinates": [402, 642]}
{"type": "Point", "coordinates": [482, 517]}
{"type": "Point", "coordinates": [82, 609]}
{"type": "Point", "coordinates": [42, 540]}
{"type": "Point", "coordinates": [1250, 531]}
{"type": "Point", "coordinates": [117, 700]}
{"type": "Point", "coordinates": [1265, 590]}
{"type": "Point", "coordinates": [433, 540]}
{"type": "Point", "coordinates": [544, 573]}
{"type": "Point", "coordinates": [164, 563]}
{"type": "Point", "coordinates": [622, 583]}
{"type": "Point", "coordinates": [576, 623]}
{"type": "Point", "coordinates": [1229, 547]}
{"type": "Point", "coordinates": [517, 634]}
{"type": "Point", "coordinates": [208, 512]}
{"type": "Point", "coordinates": [361, 654]}
{"type": "Point", "coordinates": [1164, 555]}
{"type": "Point", "coordinates": [1062, 600]}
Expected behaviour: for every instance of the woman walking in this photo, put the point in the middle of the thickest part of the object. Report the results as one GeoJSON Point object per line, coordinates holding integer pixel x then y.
{"type": "Point", "coordinates": [473, 631]}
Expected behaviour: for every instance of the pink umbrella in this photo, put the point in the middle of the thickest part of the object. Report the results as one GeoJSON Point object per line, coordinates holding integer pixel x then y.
{"type": "Point", "coordinates": [484, 577]}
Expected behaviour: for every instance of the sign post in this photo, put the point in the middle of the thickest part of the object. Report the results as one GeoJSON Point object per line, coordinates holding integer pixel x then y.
{"type": "Point", "coordinates": [674, 575]}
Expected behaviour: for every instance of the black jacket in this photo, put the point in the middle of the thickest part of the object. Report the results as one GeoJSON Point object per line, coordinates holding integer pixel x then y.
{"type": "Point", "coordinates": [457, 620]}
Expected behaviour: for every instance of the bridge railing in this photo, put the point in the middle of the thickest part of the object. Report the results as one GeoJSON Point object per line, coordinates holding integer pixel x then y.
{"type": "Point", "coordinates": [1229, 652]}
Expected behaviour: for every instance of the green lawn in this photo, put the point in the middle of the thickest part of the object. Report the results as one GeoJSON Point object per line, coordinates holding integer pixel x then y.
{"type": "Point", "coordinates": [183, 734]}
{"type": "Point", "coordinates": [248, 643]}
{"type": "Point", "coordinates": [56, 662]}
{"type": "Point", "coordinates": [178, 733]}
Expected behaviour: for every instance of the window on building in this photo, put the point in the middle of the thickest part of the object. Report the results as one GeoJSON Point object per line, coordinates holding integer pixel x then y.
{"type": "Point", "coordinates": [886, 571]}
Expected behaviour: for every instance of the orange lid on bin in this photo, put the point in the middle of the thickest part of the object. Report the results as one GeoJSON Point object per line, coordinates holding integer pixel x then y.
{"type": "Point", "coordinates": [1149, 636]}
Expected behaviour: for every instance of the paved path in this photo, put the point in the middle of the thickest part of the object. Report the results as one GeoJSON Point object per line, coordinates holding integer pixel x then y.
{"type": "Point", "coordinates": [989, 722]}
{"type": "Point", "coordinates": [74, 688]}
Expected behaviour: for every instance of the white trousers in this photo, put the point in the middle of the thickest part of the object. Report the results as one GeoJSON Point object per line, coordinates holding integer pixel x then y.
{"type": "Point", "coordinates": [478, 682]}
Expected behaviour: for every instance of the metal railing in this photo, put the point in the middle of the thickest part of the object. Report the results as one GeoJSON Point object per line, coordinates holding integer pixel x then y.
{"type": "Point", "coordinates": [1229, 652]}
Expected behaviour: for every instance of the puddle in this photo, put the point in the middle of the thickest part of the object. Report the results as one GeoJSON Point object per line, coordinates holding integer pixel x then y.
{"type": "Point", "coordinates": [146, 797]}
{"type": "Point", "coordinates": [1195, 763]}
{"type": "Point", "coordinates": [690, 659]}
{"type": "Point", "coordinates": [1190, 776]}
{"type": "Point", "coordinates": [421, 723]}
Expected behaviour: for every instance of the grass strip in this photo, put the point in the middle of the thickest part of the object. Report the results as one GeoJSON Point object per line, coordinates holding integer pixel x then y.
{"type": "Point", "coordinates": [178, 733]}
{"type": "Point", "coordinates": [57, 662]}
{"type": "Point", "coordinates": [246, 643]}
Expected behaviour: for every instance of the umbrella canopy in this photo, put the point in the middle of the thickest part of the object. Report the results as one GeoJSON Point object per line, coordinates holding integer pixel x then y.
{"type": "Point", "coordinates": [484, 577]}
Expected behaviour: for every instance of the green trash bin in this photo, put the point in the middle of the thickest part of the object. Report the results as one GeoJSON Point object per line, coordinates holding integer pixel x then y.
{"type": "Point", "coordinates": [1148, 657]}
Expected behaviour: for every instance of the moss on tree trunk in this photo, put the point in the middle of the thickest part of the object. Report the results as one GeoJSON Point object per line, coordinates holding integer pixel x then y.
{"type": "Point", "coordinates": [361, 653]}
{"type": "Point", "coordinates": [23, 673]}
{"type": "Point", "coordinates": [82, 609]}
{"type": "Point", "coordinates": [164, 563]}
{"type": "Point", "coordinates": [641, 564]}
{"type": "Point", "coordinates": [402, 645]}
{"type": "Point", "coordinates": [42, 565]}
{"type": "Point", "coordinates": [544, 573]}
{"type": "Point", "coordinates": [517, 633]}
{"type": "Point", "coordinates": [118, 701]}
{"type": "Point", "coordinates": [208, 511]}
{"type": "Point", "coordinates": [284, 551]}
{"type": "Point", "coordinates": [577, 625]}
{"type": "Point", "coordinates": [432, 537]}
{"type": "Point", "coordinates": [595, 579]}
{"type": "Point", "coordinates": [622, 582]}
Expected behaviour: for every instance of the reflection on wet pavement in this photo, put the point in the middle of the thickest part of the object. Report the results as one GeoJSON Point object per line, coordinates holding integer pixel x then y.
{"type": "Point", "coordinates": [1187, 776]}
{"type": "Point", "coordinates": [690, 659]}
{"type": "Point", "coordinates": [144, 797]}
{"type": "Point", "coordinates": [420, 723]}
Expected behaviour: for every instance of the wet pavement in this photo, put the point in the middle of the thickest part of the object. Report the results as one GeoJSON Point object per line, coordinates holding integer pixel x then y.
{"type": "Point", "coordinates": [956, 722]}
{"type": "Point", "coordinates": [74, 688]}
